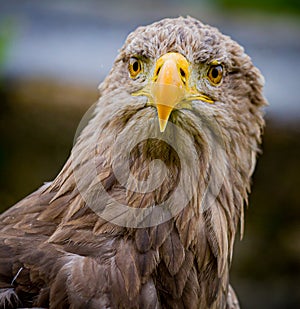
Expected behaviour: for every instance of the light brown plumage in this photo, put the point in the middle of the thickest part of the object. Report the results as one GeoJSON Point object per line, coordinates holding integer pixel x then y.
{"type": "Point", "coordinates": [57, 248]}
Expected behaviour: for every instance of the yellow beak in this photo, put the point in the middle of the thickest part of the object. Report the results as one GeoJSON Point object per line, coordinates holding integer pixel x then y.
{"type": "Point", "coordinates": [169, 88]}
{"type": "Point", "coordinates": [169, 85]}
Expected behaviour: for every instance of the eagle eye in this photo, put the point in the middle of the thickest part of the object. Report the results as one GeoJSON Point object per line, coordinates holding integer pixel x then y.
{"type": "Point", "coordinates": [134, 67]}
{"type": "Point", "coordinates": [215, 74]}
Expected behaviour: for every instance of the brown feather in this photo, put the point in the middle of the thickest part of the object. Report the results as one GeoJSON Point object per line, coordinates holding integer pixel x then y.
{"type": "Point", "coordinates": [172, 252]}
{"type": "Point", "coordinates": [128, 269]}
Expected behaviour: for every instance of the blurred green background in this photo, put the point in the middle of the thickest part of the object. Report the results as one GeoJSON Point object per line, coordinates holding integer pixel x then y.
{"type": "Point", "coordinates": [267, 6]}
{"type": "Point", "coordinates": [53, 54]}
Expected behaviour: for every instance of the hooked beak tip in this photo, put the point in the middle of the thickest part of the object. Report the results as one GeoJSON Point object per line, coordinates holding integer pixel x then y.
{"type": "Point", "coordinates": [162, 125]}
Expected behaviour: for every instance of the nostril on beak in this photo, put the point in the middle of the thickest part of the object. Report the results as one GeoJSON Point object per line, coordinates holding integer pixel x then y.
{"type": "Point", "coordinates": [183, 75]}
{"type": "Point", "coordinates": [156, 74]}
{"type": "Point", "coordinates": [158, 70]}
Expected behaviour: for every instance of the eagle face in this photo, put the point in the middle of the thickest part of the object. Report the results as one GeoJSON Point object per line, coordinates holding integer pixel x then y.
{"type": "Point", "coordinates": [145, 211]}
{"type": "Point", "coordinates": [186, 65]}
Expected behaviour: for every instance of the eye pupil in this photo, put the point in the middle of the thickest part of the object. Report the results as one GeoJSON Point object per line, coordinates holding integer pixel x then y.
{"type": "Point", "coordinates": [135, 66]}
{"type": "Point", "coordinates": [215, 73]}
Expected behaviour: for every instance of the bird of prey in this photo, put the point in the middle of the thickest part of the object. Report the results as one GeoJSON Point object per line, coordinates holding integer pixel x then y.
{"type": "Point", "coordinates": [145, 211]}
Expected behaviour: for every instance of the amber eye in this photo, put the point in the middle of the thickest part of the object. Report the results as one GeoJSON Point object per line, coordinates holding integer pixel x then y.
{"type": "Point", "coordinates": [215, 74]}
{"type": "Point", "coordinates": [134, 67]}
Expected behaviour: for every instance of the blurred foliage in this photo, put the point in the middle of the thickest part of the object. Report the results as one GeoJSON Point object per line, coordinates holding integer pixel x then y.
{"type": "Point", "coordinates": [6, 31]}
{"type": "Point", "coordinates": [272, 6]}
{"type": "Point", "coordinates": [269, 255]}
{"type": "Point", "coordinates": [38, 120]}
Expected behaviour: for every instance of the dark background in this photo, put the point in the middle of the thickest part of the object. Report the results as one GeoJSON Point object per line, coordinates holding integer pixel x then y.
{"type": "Point", "coordinates": [53, 55]}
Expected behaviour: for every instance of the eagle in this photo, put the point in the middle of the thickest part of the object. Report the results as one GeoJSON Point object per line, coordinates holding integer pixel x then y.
{"type": "Point", "coordinates": [145, 211]}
